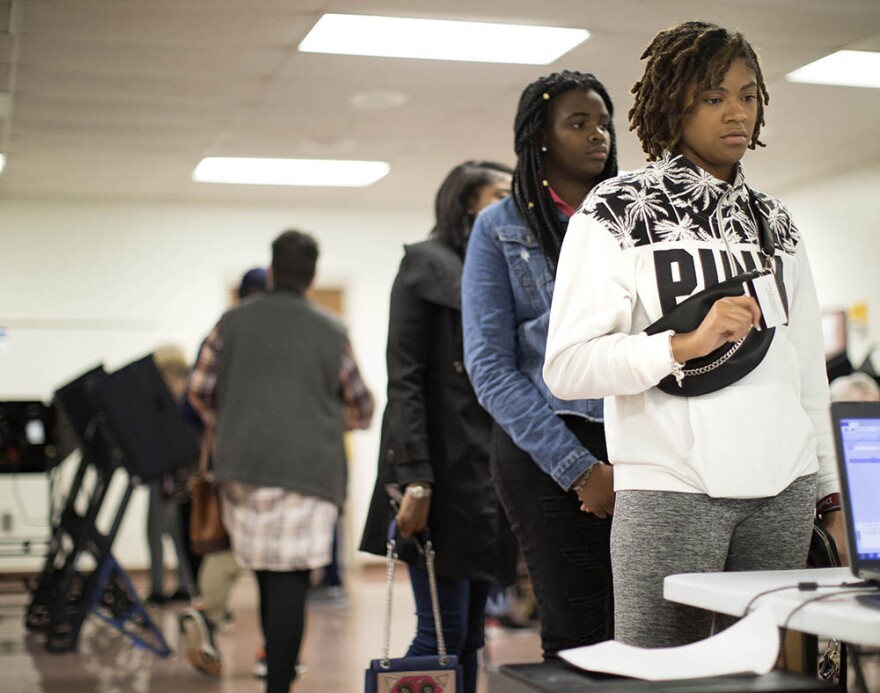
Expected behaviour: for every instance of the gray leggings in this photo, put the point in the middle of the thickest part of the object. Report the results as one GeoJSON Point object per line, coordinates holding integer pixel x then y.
{"type": "Point", "coordinates": [163, 517]}
{"type": "Point", "coordinates": [660, 533]}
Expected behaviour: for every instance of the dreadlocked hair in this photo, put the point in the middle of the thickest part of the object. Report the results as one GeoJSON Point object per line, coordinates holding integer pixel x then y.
{"type": "Point", "coordinates": [530, 190]}
{"type": "Point", "coordinates": [697, 53]}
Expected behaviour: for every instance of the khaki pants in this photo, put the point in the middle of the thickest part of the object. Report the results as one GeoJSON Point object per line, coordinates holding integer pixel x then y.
{"type": "Point", "coordinates": [217, 575]}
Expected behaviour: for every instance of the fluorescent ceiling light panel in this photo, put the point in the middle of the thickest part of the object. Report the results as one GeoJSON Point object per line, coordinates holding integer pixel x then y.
{"type": "Point", "coordinates": [2, 162]}
{"type": "Point", "coordinates": [843, 68]}
{"type": "Point", "coordinates": [310, 172]}
{"type": "Point", "coordinates": [437, 39]}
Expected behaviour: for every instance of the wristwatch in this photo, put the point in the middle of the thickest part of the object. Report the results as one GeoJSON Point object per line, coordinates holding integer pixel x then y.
{"type": "Point", "coordinates": [418, 491]}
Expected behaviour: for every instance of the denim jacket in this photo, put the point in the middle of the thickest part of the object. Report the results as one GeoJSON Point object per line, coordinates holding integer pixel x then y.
{"type": "Point", "coordinates": [506, 290]}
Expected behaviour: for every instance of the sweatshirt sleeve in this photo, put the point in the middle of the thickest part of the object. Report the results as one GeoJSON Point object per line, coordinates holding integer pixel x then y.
{"type": "Point", "coordinates": [590, 351]}
{"type": "Point", "coordinates": [805, 334]}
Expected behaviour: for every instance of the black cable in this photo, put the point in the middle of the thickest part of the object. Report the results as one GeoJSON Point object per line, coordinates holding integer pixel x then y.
{"type": "Point", "coordinates": [860, 586]}
{"type": "Point", "coordinates": [804, 587]}
{"type": "Point", "coordinates": [765, 592]}
{"type": "Point", "coordinates": [863, 586]}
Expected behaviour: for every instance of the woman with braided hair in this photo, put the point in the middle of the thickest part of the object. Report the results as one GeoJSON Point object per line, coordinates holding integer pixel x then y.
{"type": "Point", "coordinates": [547, 455]}
{"type": "Point", "coordinates": [724, 479]}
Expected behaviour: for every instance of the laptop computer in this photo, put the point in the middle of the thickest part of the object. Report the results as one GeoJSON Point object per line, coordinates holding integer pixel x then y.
{"type": "Point", "coordinates": [856, 427]}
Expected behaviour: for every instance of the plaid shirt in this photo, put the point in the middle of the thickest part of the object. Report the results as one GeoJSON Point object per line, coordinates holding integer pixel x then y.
{"type": "Point", "coordinates": [273, 528]}
{"type": "Point", "coordinates": [202, 386]}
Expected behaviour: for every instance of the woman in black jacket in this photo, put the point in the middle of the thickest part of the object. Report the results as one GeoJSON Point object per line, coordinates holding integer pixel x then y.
{"type": "Point", "coordinates": [435, 436]}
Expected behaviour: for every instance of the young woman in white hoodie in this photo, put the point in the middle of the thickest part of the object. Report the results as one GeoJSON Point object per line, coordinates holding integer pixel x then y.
{"type": "Point", "coordinates": [722, 481]}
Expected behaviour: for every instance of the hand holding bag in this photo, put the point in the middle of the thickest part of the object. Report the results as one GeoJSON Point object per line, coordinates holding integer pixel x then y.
{"type": "Point", "coordinates": [731, 361]}
{"type": "Point", "coordinates": [206, 529]}
{"type": "Point", "coordinates": [437, 674]}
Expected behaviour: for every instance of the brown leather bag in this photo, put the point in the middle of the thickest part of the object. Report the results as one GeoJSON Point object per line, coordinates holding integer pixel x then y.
{"type": "Point", "coordinates": [206, 530]}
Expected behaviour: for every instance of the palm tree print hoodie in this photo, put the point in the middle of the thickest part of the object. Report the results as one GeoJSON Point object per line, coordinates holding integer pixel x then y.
{"type": "Point", "coordinates": [639, 245]}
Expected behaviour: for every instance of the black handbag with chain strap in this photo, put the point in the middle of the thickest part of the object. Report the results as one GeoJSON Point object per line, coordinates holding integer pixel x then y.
{"type": "Point", "coordinates": [440, 673]}
{"type": "Point", "coordinates": [731, 361]}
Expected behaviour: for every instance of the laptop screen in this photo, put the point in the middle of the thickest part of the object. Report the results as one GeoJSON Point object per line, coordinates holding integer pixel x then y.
{"type": "Point", "coordinates": [857, 435]}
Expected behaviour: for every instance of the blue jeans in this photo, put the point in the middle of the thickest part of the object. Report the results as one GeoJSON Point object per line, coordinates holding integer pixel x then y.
{"type": "Point", "coordinates": [462, 606]}
{"type": "Point", "coordinates": [332, 572]}
{"type": "Point", "coordinates": [567, 551]}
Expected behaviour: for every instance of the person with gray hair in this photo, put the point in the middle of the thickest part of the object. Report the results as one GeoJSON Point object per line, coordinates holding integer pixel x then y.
{"type": "Point", "coordinates": [165, 495]}
{"type": "Point", "coordinates": [855, 387]}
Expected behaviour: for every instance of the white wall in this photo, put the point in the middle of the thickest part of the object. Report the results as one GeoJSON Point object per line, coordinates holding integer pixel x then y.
{"type": "Point", "coordinates": [85, 283]}
{"type": "Point", "coordinates": [136, 276]}
{"type": "Point", "coordinates": [840, 221]}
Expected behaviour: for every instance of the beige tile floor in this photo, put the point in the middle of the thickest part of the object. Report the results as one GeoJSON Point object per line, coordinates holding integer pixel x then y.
{"type": "Point", "coordinates": [339, 643]}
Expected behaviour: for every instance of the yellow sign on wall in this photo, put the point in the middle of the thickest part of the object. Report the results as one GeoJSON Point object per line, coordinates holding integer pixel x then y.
{"type": "Point", "coordinates": [858, 314]}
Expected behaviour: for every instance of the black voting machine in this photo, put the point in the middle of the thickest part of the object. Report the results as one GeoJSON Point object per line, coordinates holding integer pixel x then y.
{"type": "Point", "coordinates": [124, 423]}
{"type": "Point", "coordinates": [27, 446]}
{"type": "Point", "coordinates": [26, 441]}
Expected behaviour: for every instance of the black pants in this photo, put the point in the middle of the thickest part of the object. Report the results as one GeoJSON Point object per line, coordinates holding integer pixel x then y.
{"type": "Point", "coordinates": [567, 551]}
{"type": "Point", "coordinates": [195, 560]}
{"type": "Point", "coordinates": [282, 613]}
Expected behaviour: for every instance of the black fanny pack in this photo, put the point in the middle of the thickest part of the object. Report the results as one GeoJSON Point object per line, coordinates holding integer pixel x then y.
{"type": "Point", "coordinates": [731, 361]}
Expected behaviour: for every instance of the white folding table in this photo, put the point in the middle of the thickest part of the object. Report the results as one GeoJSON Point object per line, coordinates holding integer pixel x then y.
{"type": "Point", "coordinates": [839, 616]}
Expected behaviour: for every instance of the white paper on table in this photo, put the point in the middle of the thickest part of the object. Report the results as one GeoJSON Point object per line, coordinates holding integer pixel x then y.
{"type": "Point", "coordinates": [749, 646]}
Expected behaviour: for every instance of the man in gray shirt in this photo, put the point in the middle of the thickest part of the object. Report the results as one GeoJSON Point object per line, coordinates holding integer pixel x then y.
{"type": "Point", "coordinates": [277, 378]}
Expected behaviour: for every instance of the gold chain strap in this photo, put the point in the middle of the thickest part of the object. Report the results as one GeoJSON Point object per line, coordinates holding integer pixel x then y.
{"type": "Point", "coordinates": [391, 557]}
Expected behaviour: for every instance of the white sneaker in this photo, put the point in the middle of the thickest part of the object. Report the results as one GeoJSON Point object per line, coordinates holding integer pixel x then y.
{"type": "Point", "coordinates": [261, 671]}
{"type": "Point", "coordinates": [201, 650]}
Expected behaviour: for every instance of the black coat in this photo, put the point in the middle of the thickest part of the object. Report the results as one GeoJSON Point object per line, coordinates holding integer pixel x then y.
{"type": "Point", "coordinates": [434, 429]}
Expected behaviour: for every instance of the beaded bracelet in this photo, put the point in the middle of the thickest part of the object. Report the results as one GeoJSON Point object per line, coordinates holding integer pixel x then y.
{"type": "Point", "coordinates": [581, 481]}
